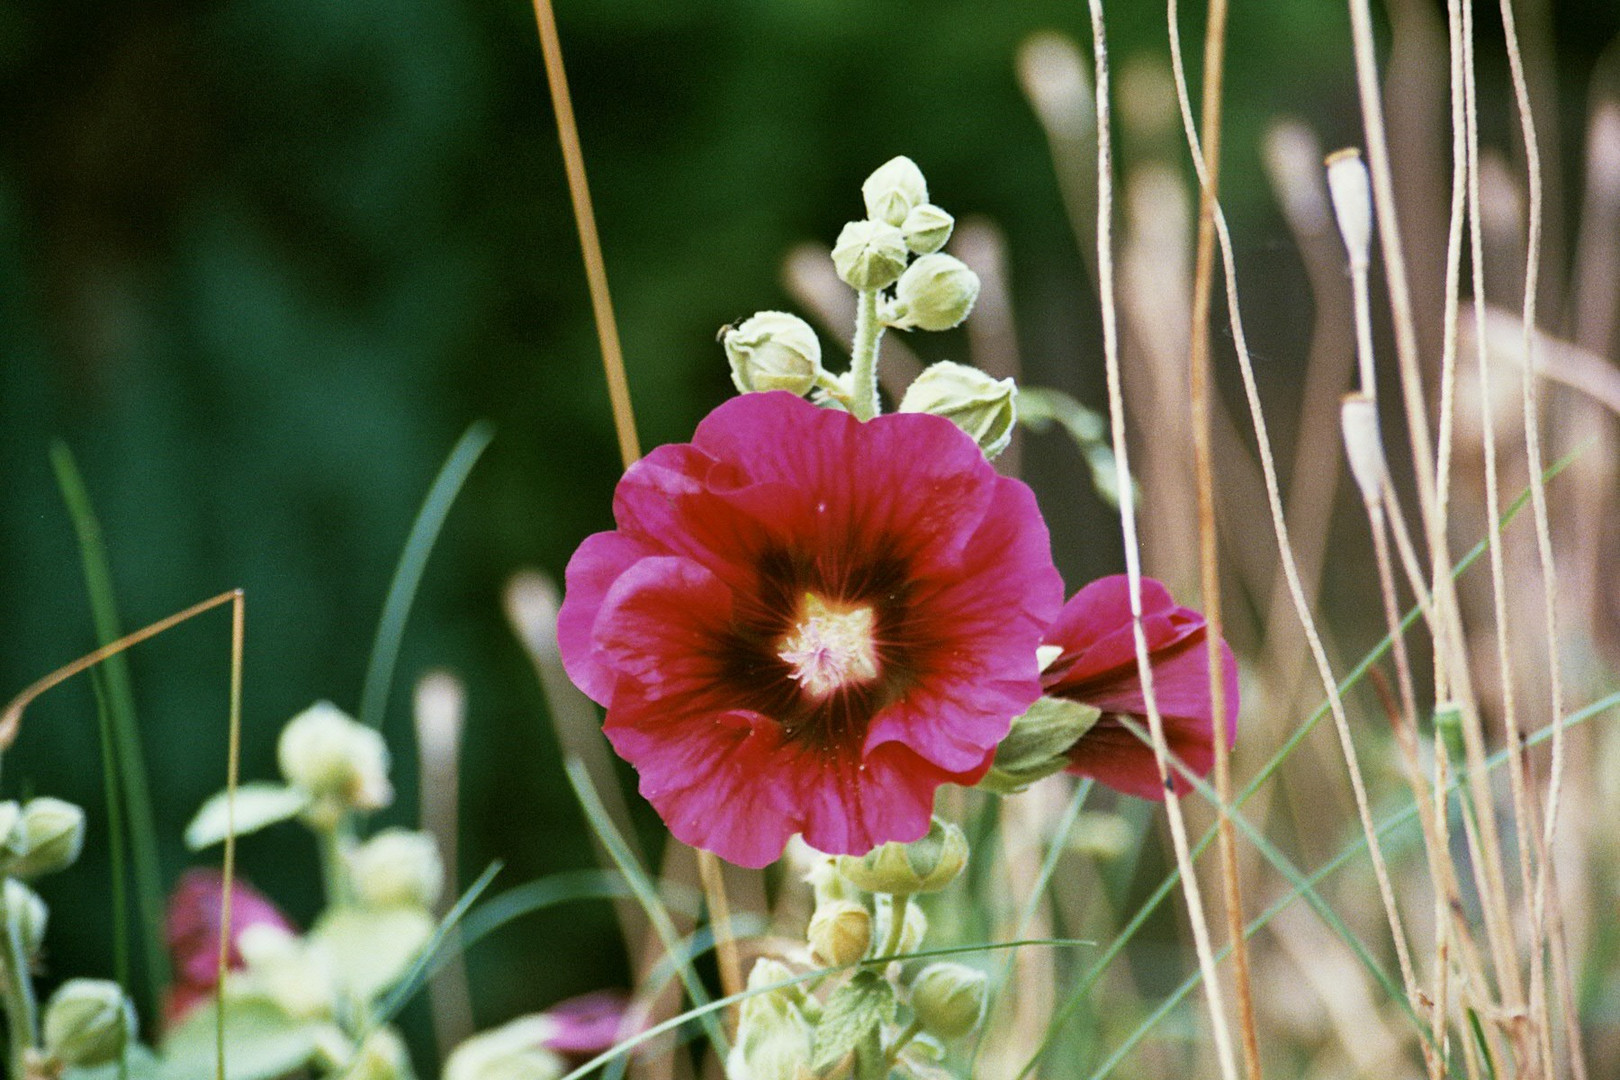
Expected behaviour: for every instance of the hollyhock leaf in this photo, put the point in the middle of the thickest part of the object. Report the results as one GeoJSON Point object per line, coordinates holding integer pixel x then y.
{"type": "Point", "coordinates": [371, 948]}
{"type": "Point", "coordinates": [257, 805]}
{"type": "Point", "coordinates": [264, 1042]}
{"type": "Point", "coordinates": [867, 1001]}
{"type": "Point", "coordinates": [807, 623]}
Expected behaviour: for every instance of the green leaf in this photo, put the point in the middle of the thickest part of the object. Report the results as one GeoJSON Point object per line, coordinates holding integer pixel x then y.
{"type": "Point", "coordinates": [859, 1006]}
{"type": "Point", "coordinates": [262, 1040]}
{"type": "Point", "coordinates": [372, 948]}
{"type": "Point", "coordinates": [257, 805]}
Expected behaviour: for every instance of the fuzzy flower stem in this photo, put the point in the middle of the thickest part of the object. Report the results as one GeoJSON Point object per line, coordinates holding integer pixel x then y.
{"type": "Point", "coordinates": [335, 843]}
{"type": "Point", "coordinates": [864, 353]}
{"type": "Point", "coordinates": [17, 991]}
{"type": "Point", "coordinates": [898, 910]}
{"type": "Point", "coordinates": [902, 1040]}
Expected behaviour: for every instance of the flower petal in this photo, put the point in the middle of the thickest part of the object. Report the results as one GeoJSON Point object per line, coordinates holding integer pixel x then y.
{"type": "Point", "coordinates": [596, 565]}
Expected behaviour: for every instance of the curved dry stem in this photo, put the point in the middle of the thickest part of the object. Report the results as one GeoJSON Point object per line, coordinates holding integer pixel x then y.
{"type": "Point", "coordinates": [1133, 554]}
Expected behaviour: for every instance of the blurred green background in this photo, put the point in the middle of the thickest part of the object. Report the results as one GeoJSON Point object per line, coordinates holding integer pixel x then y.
{"type": "Point", "coordinates": [262, 261]}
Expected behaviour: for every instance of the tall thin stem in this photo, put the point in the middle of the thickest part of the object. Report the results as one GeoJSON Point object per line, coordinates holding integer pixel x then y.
{"type": "Point", "coordinates": [1208, 557]}
{"type": "Point", "coordinates": [1133, 554]}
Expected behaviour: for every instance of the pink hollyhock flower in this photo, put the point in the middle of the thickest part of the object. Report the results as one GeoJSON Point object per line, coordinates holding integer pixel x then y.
{"type": "Point", "coordinates": [191, 927]}
{"type": "Point", "coordinates": [1097, 667]}
{"type": "Point", "coordinates": [805, 623]}
{"type": "Point", "coordinates": [588, 1024]}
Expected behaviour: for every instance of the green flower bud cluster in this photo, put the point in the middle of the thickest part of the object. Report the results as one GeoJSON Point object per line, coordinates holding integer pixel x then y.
{"type": "Point", "coordinates": [936, 292]}
{"type": "Point", "coordinates": [892, 258]}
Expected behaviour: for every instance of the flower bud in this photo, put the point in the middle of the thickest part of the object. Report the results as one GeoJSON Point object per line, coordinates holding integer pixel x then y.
{"type": "Point", "coordinates": [840, 933]}
{"type": "Point", "coordinates": [922, 866]}
{"type": "Point", "coordinates": [912, 932]}
{"type": "Point", "coordinates": [935, 293]}
{"type": "Point", "coordinates": [775, 1040]}
{"type": "Point", "coordinates": [335, 758]}
{"type": "Point", "coordinates": [893, 190]}
{"type": "Point", "coordinates": [774, 351]}
{"type": "Point", "coordinates": [513, 1051]}
{"type": "Point", "coordinates": [27, 912]}
{"type": "Point", "coordinates": [13, 841]}
{"type": "Point", "coordinates": [927, 228]}
{"type": "Point", "coordinates": [948, 999]}
{"type": "Point", "coordinates": [53, 834]}
{"type": "Point", "coordinates": [1034, 748]}
{"type": "Point", "coordinates": [381, 1057]}
{"type": "Point", "coordinates": [983, 407]}
{"type": "Point", "coordinates": [397, 867]}
{"type": "Point", "coordinates": [869, 255]}
{"type": "Point", "coordinates": [88, 1023]}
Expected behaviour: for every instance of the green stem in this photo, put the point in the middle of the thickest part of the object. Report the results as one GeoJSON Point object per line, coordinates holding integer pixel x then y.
{"type": "Point", "coordinates": [335, 843]}
{"type": "Point", "coordinates": [864, 354]}
{"type": "Point", "coordinates": [22, 1014]}
{"type": "Point", "coordinates": [902, 1040]}
{"type": "Point", "coordinates": [899, 907]}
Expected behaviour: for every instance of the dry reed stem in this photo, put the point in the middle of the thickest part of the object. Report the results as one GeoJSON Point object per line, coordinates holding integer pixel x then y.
{"type": "Point", "coordinates": [1127, 513]}
{"type": "Point", "coordinates": [1285, 548]}
{"type": "Point", "coordinates": [624, 423]}
{"type": "Point", "coordinates": [1508, 973]}
{"type": "Point", "coordinates": [1208, 559]}
{"type": "Point", "coordinates": [1538, 503]}
{"type": "Point", "coordinates": [579, 192]}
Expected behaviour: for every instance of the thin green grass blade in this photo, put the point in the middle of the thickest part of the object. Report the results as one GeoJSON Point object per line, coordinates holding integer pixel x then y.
{"type": "Point", "coordinates": [122, 732]}
{"type": "Point", "coordinates": [1405, 816]}
{"type": "Point", "coordinates": [1484, 1044]}
{"type": "Point", "coordinates": [646, 895]}
{"type": "Point", "coordinates": [1267, 771]}
{"type": "Point", "coordinates": [412, 563]}
{"type": "Point", "coordinates": [417, 975]}
{"type": "Point", "coordinates": [115, 832]}
{"type": "Point", "coordinates": [554, 889]}
{"type": "Point", "coordinates": [700, 1011]}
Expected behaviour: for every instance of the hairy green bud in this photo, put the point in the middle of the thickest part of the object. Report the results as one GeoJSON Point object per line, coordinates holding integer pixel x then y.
{"type": "Point", "coordinates": [88, 1023]}
{"type": "Point", "coordinates": [983, 407]}
{"type": "Point", "coordinates": [893, 190]}
{"type": "Point", "coordinates": [948, 999]}
{"type": "Point", "coordinates": [774, 350]}
{"type": "Point", "coordinates": [935, 293]}
{"type": "Point", "coordinates": [870, 255]}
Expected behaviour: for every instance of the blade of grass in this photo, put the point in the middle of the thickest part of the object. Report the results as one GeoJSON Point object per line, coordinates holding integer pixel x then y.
{"type": "Point", "coordinates": [417, 975]}
{"type": "Point", "coordinates": [412, 562]}
{"type": "Point", "coordinates": [1354, 847]}
{"type": "Point", "coordinates": [548, 892]}
{"type": "Point", "coordinates": [123, 731]}
{"type": "Point", "coordinates": [115, 838]}
{"type": "Point", "coordinates": [648, 897]}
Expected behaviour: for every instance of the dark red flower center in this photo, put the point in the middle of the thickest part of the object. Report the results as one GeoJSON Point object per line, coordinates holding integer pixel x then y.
{"type": "Point", "coordinates": [824, 642]}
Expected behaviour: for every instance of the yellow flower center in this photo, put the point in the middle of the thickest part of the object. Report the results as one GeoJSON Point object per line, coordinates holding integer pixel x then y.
{"type": "Point", "coordinates": [830, 647]}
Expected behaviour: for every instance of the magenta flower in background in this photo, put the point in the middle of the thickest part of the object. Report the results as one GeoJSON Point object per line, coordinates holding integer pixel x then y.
{"type": "Point", "coordinates": [806, 624]}
{"type": "Point", "coordinates": [1098, 667]}
{"type": "Point", "coordinates": [588, 1024]}
{"type": "Point", "coordinates": [191, 928]}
